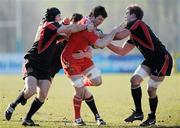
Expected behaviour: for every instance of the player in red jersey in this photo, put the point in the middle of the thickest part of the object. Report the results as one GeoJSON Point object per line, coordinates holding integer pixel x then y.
{"type": "Point", "coordinates": [82, 71]}
{"type": "Point", "coordinates": [38, 62]}
{"type": "Point", "coordinates": [157, 63]}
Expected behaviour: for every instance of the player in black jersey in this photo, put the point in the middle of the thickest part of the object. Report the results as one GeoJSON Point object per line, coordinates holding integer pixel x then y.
{"type": "Point", "coordinates": [60, 45]}
{"type": "Point", "coordinates": [38, 68]}
{"type": "Point", "coordinates": [157, 63]}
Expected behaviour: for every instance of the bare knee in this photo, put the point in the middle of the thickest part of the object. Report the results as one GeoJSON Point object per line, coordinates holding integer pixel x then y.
{"type": "Point", "coordinates": [97, 81]}
{"type": "Point", "coordinates": [136, 81]}
{"type": "Point", "coordinates": [30, 86]}
{"type": "Point", "coordinates": [29, 91]}
{"type": "Point", "coordinates": [80, 92]}
{"type": "Point", "coordinates": [152, 92]}
{"type": "Point", "coordinates": [42, 96]}
{"type": "Point", "coordinates": [43, 89]}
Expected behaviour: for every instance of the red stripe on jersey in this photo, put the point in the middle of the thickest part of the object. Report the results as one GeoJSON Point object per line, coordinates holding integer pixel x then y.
{"type": "Point", "coordinates": [51, 26]}
{"type": "Point", "coordinates": [141, 42]}
{"type": "Point", "coordinates": [41, 40]}
{"type": "Point", "coordinates": [165, 66]}
{"type": "Point", "coordinates": [149, 43]}
{"type": "Point", "coordinates": [135, 25]}
{"type": "Point", "coordinates": [40, 49]}
{"type": "Point", "coordinates": [147, 34]}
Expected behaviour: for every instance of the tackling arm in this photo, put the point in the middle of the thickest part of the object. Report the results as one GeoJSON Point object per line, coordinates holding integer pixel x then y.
{"type": "Point", "coordinates": [123, 34]}
{"type": "Point", "coordinates": [126, 48]}
{"type": "Point", "coordinates": [104, 41]}
{"type": "Point", "coordinates": [73, 28]}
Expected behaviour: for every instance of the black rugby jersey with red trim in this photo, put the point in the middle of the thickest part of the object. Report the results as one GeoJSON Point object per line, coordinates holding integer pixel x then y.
{"type": "Point", "coordinates": [145, 40]}
{"type": "Point", "coordinates": [42, 52]}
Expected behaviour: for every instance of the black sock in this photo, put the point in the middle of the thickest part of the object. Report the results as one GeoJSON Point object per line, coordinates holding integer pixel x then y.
{"type": "Point", "coordinates": [36, 104]}
{"type": "Point", "coordinates": [91, 103]}
{"type": "Point", "coordinates": [153, 102]}
{"type": "Point", "coordinates": [19, 99]}
{"type": "Point", "coordinates": [137, 95]}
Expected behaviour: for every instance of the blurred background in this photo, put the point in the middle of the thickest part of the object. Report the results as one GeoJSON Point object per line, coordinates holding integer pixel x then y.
{"type": "Point", "coordinates": [19, 20]}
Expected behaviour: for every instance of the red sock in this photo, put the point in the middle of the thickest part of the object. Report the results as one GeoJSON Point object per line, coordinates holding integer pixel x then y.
{"type": "Point", "coordinates": [77, 106]}
{"type": "Point", "coordinates": [87, 82]}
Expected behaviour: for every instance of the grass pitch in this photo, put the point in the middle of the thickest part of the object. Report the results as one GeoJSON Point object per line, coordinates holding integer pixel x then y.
{"type": "Point", "coordinates": [113, 100]}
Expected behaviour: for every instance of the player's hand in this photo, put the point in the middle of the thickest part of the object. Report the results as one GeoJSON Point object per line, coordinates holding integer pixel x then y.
{"type": "Point", "coordinates": [81, 54]}
{"type": "Point", "coordinates": [78, 55]}
{"type": "Point", "coordinates": [66, 21]}
{"type": "Point", "coordinates": [88, 52]}
{"type": "Point", "coordinates": [99, 33]}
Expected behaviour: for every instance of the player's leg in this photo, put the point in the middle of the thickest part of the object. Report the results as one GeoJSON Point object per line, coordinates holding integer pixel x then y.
{"type": "Point", "coordinates": [89, 99]}
{"type": "Point", "coordinates": [77, 82]}
{"type": "Point", "coordinates": [28, 91]}
{"type": "Point", "coordinates": [161, 68]}
{"type": "Point", "coordinates": [42, 91]}
{"type": "Point", "coordinates": [153, 84]}
{"type": "Point", "coordinates": [141, 72]}
{"type": "Point", "coordinates": [93, 75]}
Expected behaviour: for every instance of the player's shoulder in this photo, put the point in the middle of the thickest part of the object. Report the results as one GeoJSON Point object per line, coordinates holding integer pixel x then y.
{"type": "Point", "coordinates": [135, 24]}
{"type": "Point", "coordinates": [52, 25]}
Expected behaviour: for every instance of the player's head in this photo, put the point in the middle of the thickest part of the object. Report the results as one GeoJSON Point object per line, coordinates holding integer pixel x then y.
{"type": "Point", "coordinates": [53, 14]}
{"type": "Point", "coordinates": [76, 17]}
{"type": "Point", "coordinates": [97, 15]}
{"type": "Point", "coordinates": [134, 12]}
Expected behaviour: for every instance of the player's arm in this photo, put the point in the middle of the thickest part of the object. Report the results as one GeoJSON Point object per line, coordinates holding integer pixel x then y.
{"type": "Point", "coordinates": [73, 28]}
{"type": "Point", "coordinates": [104, 41]}
{"type": "Point", "coordinates": [123, 34]}
{"type": "Point", "coordinates": [121, 50]}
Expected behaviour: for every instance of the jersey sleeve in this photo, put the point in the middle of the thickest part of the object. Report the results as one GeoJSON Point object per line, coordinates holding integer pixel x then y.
{"type": "Point", "coordinates": [91, 37]}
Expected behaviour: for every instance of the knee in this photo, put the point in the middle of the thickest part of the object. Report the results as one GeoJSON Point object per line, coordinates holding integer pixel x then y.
{"type": "Point", "coordinates": [79, 92]}
{"type": "Point", "coordinates": [42, 96]}
{"type": "Point", "coordinates": [97, 82]}
{"type": "Point", "coordinates": [135, 81]}
{"type": "Point", "coordinates": [151, 92]}
{"type": "Point", "coordinates": [29, 91]}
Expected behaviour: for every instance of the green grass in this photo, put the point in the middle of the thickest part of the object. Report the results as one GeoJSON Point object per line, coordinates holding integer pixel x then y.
{"type": "Point", "coordinates": [113, 100]}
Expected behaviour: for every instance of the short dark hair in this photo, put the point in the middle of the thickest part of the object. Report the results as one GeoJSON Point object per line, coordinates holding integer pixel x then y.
{"type": "Point", "coordinates": [76, 17]}
{"type": "Point", "coordinates": [51, 13]}
{"type": "Point", "coordinates": [135, 9]}
{"type": "Point", "coordinates": [98, 11]}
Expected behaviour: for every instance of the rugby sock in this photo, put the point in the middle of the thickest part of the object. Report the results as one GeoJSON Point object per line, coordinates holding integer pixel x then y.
{"type": "Point", "coordinates": [91, 103]}
{"type": "Point", "coordinates": [87, 82]}
{"type": "Point", "coordinates": [19, 99]}
{"type": "Point", "coordinates": [77, 107]}
{"type": "Point", "coordinates": [137, 95]}
{"type": "Point", "coordinates": [153, 102]}
{"type": "Point", "coordinates": [36, 104]}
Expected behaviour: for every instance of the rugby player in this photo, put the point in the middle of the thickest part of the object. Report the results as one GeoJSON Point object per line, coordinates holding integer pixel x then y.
{"type": "Point", "coordinates": [156, 65]}
{"type": "Point", "coordinates": [83, 72]}
{"type": "Point", "coordinates": [38, 62]}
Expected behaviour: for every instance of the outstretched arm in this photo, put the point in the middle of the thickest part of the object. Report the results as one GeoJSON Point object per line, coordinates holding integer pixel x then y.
{"type": "Point", "coordinates": [73, 28]}
{"type": "Point", "coordinates": [126, 48]}
{"type": "Point", "coordinates": [104, 41]}
{"type": "Point", "coordinates": [123, 34]}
